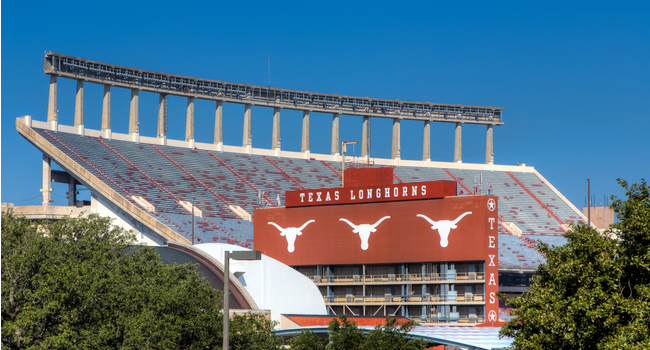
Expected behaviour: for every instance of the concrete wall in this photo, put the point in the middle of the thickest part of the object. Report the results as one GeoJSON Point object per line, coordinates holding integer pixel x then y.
{"type": "Point", "coordinates": [272, 284]}
{"type": "Point", "coordinates": [143, 234]}
{"type": "Point", "coordinates": [98, 205]}
{"type": "Point", "coordinates": [36, 212]}
{"type": "Point", "coordinates": [602, 217]}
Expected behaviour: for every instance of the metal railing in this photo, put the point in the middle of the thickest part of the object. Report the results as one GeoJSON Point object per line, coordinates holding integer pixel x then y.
{"type": "Point", "coordinates": [402, 299]}
{"type": "Point", "coordinates": [449, 319]}
{"type": "Point", "coordinates": [399, 278]}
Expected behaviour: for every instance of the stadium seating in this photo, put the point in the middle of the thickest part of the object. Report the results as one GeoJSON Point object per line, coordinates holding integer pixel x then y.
{"type": "Point", "coordinates": [504, 313]}
{"type": "Point", "coordinates": [549, 198]}
{"type": "Point", "coordinates": [309, 173]}
{"type": "Point", "coordinates": [556, 241]}
{"type": "Point", "coordinates": [514, 251]}
{"type": "Point", "coordinates": [210, 229]}
{"type": "Point", "coordinates": [516, 205]}
{"type": "Point", "coordinates": [212, 181]}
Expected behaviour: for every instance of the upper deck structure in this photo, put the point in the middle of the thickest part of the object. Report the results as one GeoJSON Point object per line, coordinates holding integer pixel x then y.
{"type": "Point", "coordinates": [110, 75]}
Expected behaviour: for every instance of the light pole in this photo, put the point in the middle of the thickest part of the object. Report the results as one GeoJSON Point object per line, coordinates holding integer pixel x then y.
{"type": "Point", "coordinates": [343, 161]}
{"type": "Point", "coordinates": [192, 223]}
{"type": "Point", "coordinates": [588, 203]}
{"type": "Point", "coordinates": [237, 255]}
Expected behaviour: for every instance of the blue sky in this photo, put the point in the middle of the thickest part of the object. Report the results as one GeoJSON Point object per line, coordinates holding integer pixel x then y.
{"type": "Point", "coordinates": [573, 77]}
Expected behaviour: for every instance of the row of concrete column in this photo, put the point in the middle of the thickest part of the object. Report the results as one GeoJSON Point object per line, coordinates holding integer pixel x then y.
{"type": "Point", "coordinates": [247, 140]}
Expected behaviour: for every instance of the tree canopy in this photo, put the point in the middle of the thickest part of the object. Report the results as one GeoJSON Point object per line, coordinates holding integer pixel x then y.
{"type": "Point", "coordinates": [79, 283]}
{"type": "Point", "coordinates": [594, 292]}
{"type": "Point", "coordinates": [393, 335]}
{"type": "Point", "coordinates": [307, 340]}
{"type": "Point", "coordinates": [344, 334]}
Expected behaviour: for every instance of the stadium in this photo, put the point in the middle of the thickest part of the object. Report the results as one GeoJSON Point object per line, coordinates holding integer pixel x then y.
{"type": "Point", "coordinates": [195, 200]}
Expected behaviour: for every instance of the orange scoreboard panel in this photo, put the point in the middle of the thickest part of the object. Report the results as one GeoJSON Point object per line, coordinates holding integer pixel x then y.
{"type": "Point", "coordinates": [451, 229]}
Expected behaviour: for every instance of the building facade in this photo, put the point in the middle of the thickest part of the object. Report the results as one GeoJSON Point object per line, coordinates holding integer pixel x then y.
{"type": "Point", "coordinates": [411, 249]}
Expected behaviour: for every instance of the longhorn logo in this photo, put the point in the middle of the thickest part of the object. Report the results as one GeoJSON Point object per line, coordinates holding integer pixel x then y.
{"type": "Point", "coordinates": [291, 233]}
{"type": "Point", "coordinates": [443, 227]}
{"type": "Point", "coordinates": [364, 230]}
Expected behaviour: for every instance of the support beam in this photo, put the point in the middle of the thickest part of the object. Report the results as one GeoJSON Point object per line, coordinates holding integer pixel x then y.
{"type": "Point", "coordinates": [189, 123]}
{"type": "Point", "coordinates": [458, 147]}
{"type": "Point", "coordinates": [106, 109]}
{"type": "Point", "coordinates": [162, 116]}
{"type": "Point", "coordinates": [396, 139]}
{"type": "Point", "coordinates": [52, 113]}
{"type": "Point", "coordinates": [134, 123]}
{"type": "Point", "coordinates": [218, 124]}
{"type": "Point", "coordinates": [275, 139]}
{"type": "Point", "coordinates": [335, 134]}
{"type": "Point", "coordinates": [365, 137]}
{"type": "Point", "coordinates": [79, 104]}
{"type": "Point", "coordinates": [72, 191]}
{"type": "Point", "coordinates": [426, 142]}
{"type": "Point", "coordinates": [305, 131]}
{"type": "Point", "coordinates": [489, 148]}
{"type": "Point", "coordinates": [47, 180]}
{"type": "Point", "coordinates": [247, 141]}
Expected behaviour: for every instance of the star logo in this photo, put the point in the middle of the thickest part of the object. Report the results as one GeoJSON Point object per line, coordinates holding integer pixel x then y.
{"type": "Point", "coordinates": [492, 316]}
{"type": "Point", "coordinates": [491, 204]}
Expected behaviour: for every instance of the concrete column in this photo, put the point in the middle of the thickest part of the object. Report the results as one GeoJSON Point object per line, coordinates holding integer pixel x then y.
{"type": "Point", "coordinates": [79, 104]}
{"type": "Point", "coordinates": [52, 114]}
{"type": "Point", "coordinates": [218, 123]}
{"type": "Point", "coordinates": [396, 139]}
{"type": "Point", "coordinates": [458, 147]}
{"type": "Point", "coordinates": [134, 127]}
{"type": "Point", "coordinates": [189, 123]}
{"type": "Point", "coordinates": [162, 116]}
{"type": "Point", "coordinates": [275, 139]}
{"type": "Point", "coordinates": [72, 191]}
{"type": "Point", "coordinates": [106, 109]}
{"type": "Point", "coordinates": [426, 142]}
{"type": "Point", "coordinates": [489, 150]}
{"type": "Point", "coordinates": [335, 134]}
{"type": "Point", "coordinates": [305, 131]}
{"type": "Point", "coordinates": [247, 126]}
{"type": "Point", "coordinates": [47, 180]}
{"type": "Point", "coordinates": [365, 137]}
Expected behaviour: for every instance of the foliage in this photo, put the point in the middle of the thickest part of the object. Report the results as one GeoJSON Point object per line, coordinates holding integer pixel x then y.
{"type": "Point", "coordinates": [393, 335]}
{"type": "Point", "coordinates": [252, 332]}
{"type": "Point", "coordinates": [345, 335]}
{"type": "Point", "coordinates": [79, 283]}
{"type": "Point", "coordinates": [592, 293]}
{"type": "Point", "coordinates": [306, 340]}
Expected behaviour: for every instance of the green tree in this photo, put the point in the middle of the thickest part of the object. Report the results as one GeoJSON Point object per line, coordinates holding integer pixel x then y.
{"type": "Point", "coordinates": [79, 283]}
{"type": "Point", "coordinates": [393, 335]}
{"type": "Point", "coordinates": [592, 293]}
{"type": "Point", "coordinates": [252, 332]}
{"type": "Point", "coordinates": [306, 340]}
{"type": "Point", "coordinates": [344, 334]}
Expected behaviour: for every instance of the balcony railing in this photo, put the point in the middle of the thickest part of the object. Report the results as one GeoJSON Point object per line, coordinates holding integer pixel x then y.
{"type": "Point", "coordinates": [453, 317]}
{"type": "Point", "coordinates": [399, 278]}
{"type": "Point", "coordinates": [402, 299]}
